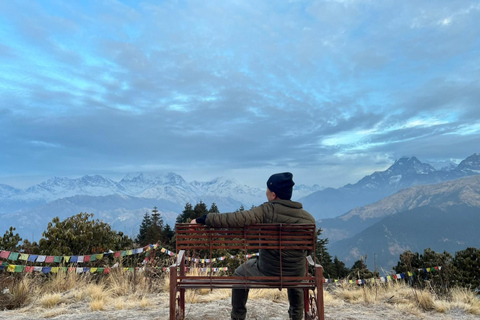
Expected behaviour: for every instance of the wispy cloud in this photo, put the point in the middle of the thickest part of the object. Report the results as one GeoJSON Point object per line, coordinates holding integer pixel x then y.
{"type": "Point", "coordinates": [228, 87]}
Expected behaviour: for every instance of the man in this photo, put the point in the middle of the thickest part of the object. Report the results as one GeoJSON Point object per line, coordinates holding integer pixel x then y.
{"type": "Point", "coordinates": [278, 209]}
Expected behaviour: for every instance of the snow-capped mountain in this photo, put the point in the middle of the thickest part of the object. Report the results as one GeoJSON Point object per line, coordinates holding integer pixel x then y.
{"type": "Point", "coordinates": [34, 207]}
{"type": "Point", "coordinates": [471, 165]}
{"type": "Point", "coordinates": [57, 188]}
{"type": "Point", "coordinates": [403, 173]}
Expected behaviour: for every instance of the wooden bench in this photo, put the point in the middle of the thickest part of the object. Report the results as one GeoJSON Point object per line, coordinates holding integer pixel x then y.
{"type": "Point", "coordinates": [192, 239]}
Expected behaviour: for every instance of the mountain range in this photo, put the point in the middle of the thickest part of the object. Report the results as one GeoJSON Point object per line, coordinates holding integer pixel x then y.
{"type": "Point", "coordinates": [405, 172]}
{"type": "Point", "coordinates": [443, 217]}
{"type": "Point", "coordinates": [122, 203]}
{"type": "Point", "coordinates": [380, 215]}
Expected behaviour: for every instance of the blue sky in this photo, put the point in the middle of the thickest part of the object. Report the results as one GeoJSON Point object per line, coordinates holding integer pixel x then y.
{"type": "Point", "coordinates": [329, 90]}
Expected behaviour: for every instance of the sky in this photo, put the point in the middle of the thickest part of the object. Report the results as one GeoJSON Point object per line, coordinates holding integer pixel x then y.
{"type": "Point", "coordinates": [328, 90]}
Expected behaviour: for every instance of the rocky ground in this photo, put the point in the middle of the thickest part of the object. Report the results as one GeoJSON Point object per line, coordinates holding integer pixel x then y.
{"type": "Point", "coordinates": [157, 308]}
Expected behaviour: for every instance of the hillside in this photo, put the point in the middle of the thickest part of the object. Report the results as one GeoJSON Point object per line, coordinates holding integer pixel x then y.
{"type": "Point", "coordinates": [442, 195]}
{"type": "Point", "coordinates": [451, 228]}
{"type": "Point", "coordinates": [404, 173]}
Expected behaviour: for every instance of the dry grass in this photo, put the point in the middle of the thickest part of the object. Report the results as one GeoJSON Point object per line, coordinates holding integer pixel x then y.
{"type": "Point", "coordinates": [50, 300]}
{"type": "Point", "coordinates": [121, 290]}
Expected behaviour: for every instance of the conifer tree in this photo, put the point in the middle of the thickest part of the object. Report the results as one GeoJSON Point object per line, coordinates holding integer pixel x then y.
{"type": "Point", "coordinates": [199, 210]}
{"type": "Point", "coordinates": [10, 241]}
{"type": "Point", "coordinates": [213, 208]}
{"type": "Point", "coordinates": [186, 214]}
{"type": "Point", "coordinates": [142, 233]}
{"type": "Point", "coordinates": [467, 264]}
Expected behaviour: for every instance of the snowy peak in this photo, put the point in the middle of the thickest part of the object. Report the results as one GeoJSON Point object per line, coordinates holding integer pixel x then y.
{"type": "Point", "coordinates": [56, 188]}
{"type": "Point", "coordinates": [8, 191]}
{"type": "Point", "coordinates": [153, 179]}
{"type": "Point", "coordinates": [471, 165]}
{"type": "Point", "coordinates": [410, 165]}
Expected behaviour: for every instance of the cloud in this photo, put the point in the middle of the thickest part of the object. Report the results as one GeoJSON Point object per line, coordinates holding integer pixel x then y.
{"type": "Point", "coordinates": [236, 86]}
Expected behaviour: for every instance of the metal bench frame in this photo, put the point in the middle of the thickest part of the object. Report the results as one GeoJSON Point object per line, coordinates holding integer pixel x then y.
{"type": "Point", "coordinates": [249, 239]}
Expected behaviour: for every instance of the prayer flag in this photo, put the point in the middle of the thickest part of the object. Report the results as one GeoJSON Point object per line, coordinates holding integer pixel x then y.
{"type": "Point", "coordinates": [46, 269]}
{"type": "Point", "coordinates": [29, 269]}
{"type": "Point", "coordinates": [11, 268]}
{"type": "Point", "coordinates": [4, 254]}
{"type": "Point", "coordinates": [37, 269]}
{"type": "Point", "coordinates": [117, 254]}
{"type": "Point", "coordinates": [41, 258]}
{"type": "Point", "coordinates": [49, 259]}
{"type": "Point", "coordinates": [32, 258]}
{"type": "Point", "coordinates": [55, 269]}
{"type": "Point", "coordinates": [13, 256]}
{"type": "Point", "coordinates": [66, 258]}
{"type": "Point", "coordinates": [73, 259]}
{"type": "Point", "coordinates": [87, 258]}
{"type": "Point", "coordinates": [99, 256]}
{"type": "Point", "coordinates": [24, 257]}
{"type": "Point", "coordinates": [57, 259]}
{"type": "Point", "coordinates": [80, 259]}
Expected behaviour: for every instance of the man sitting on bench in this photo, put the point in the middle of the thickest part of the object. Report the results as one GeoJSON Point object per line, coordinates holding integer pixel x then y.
{"type": "Point", "coordinates": [278, 209]}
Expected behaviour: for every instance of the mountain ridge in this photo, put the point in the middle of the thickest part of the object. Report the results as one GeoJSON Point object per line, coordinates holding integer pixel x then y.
{"type": "Point", "coordinates": [403, 173]}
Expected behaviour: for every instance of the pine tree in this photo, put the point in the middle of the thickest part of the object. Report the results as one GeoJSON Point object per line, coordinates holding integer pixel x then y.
{"type": "Point", "coordinates": [322, 255]}
{"type": "Point", "coordinates": [199, 210]}
{"type": "Point", "coordinates": [186, 214]}
{"type": "Point", "coordinates": [10, 241]}
{"type": "Point", "coordinates": [339, 269]}
{"type": "Point", "coordinates": [146, 223]}
{"type": "Point", "coordinates": [157, 219]}
{"type": "Point", "coordinates": [359, 270]}
{"type": "Point", "coordinates": [154, 231]}
{"type": "Point", "coordinates": [467, 263]}
{"type": "Point", "coordinates": [213, 208]}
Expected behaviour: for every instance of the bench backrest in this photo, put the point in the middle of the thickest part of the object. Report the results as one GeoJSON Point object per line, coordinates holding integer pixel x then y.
{"type": "Point", "coordinates": [248, 238]}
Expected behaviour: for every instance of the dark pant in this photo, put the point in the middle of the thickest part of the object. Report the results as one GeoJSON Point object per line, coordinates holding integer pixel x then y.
{"type": "Point", "coordinates": [240, 295]}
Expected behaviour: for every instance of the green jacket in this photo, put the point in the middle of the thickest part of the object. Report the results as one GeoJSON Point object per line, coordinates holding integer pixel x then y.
{"type": "Point", "coordinates": [276, 211]}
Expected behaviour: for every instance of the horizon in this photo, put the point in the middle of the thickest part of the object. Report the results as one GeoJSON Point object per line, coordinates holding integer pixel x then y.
{"type": "Point", "coordinates": [328, 90]}
{"type": "Point", "coordinates": [118, 177]}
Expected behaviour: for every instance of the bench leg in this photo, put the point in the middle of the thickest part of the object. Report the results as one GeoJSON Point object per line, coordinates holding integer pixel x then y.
{"type": "Point", "coordinates": [306, 304]}
{"type": "Point", "coordinates": [173, 293]}
{"type": "Point", "coordinates": [319, 283]}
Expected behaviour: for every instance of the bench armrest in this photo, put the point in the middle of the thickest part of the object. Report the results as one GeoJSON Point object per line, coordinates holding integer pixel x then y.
{"type": "Point", "coordinates": [180, 257]}
{"type": "Point", "coordinates": [311, 262]}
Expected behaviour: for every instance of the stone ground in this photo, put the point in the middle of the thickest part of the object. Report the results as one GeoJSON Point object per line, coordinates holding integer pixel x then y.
{"type": "Point", "coordinates": [157, 308]}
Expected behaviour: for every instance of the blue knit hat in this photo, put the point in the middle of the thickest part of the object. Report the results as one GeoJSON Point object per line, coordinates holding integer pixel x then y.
{"type": "Point", "coordinates": [282, 184]}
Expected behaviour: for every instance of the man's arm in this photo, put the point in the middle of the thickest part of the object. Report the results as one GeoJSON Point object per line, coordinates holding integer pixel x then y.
{"type": "Point", "coordinates": [233, 219]}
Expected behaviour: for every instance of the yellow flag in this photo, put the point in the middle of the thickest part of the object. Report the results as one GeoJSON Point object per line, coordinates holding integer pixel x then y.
{"type": "Point", "coordinates": [54, 270]}
{"type": "Point", "coordinates": [66, 258]}
{"type": "Point", "coordinates": [93, 270]}
{"type": "Point", "coordinates": [11, 268]}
